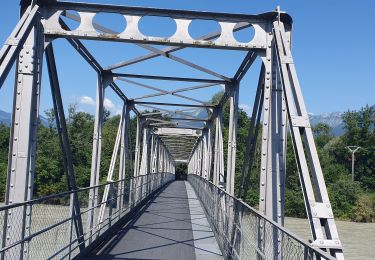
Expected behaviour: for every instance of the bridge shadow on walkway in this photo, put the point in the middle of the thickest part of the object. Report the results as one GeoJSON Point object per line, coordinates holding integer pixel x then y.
{"type": "Point", "coordinates": [172, 225]}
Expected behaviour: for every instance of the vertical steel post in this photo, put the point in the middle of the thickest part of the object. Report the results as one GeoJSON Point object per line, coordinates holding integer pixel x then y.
{"type": "Point", "coordinates": [160, 159]}
{"type": "Point", "coordinates": [96, 156]}
{"type": "Point", "coordinates": [215, 178]}
{"type": "Point", "coordinates": [273, 143]}
{"type": "Point", "coordinates": [123, 152]}
{"type": "Point", "coordinates": [137, 146]}
{"type": "Point", "coordinates": [155, 155]}
{"type": "Point", "coordinates": [204, 155]}
{"type": "Point", "coordinates": [218, 178]}
{"type": "Point", "coordinates": [150, 158]}
{"type": "Point", "coordinates": [64, 141]}
{"type": "Point", "coordinates": [209, 151]}
{"type": "Point", "coordinates": [23, 139]}
{"type": "Point", "coordinates": [144, 163]}
{"type": "Point", "coordinates": [110, 203]}
{"type": "Point", "coordinates": [273, 147]}
{"type": "Point", "coordinates": [200, 157]}
{"type": "Point", "coordinates": [231, 160]}
{"type": "Point", "coordinates": [252, 136]}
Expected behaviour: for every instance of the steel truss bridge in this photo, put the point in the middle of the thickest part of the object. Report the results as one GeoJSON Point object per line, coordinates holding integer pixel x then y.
{"type": "Point", "coordinates": [78, 222]}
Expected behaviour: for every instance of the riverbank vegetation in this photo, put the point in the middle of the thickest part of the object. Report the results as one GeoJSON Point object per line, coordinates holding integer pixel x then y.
{"type": "Point", "coordinates": [351, 200]}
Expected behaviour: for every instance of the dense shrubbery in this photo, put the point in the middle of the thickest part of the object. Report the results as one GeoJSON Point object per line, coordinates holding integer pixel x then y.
{"type": "Point", "coordinates": [350, 200]}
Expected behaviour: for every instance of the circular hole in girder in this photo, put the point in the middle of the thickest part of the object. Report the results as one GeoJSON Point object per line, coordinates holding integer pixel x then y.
{"type": "Point", "coordinates": [69, 20]}
{"type": "Point", "coordinates": [200, 28]}
{"type": "Point", "coordinates": [109, 23]}
{"type": "Point", "coordinates": [156, 26]}
{"type": "Point", "coordinates": [244, 35]}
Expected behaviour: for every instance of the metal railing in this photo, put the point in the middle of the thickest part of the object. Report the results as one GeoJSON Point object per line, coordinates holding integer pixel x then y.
{"type": "Point", "coordinates": [244, 233]}
{"type": "Point", "coordinates": [52, 233]}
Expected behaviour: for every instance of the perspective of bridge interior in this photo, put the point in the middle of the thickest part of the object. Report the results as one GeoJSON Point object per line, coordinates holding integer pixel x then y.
{"type": "Point", "coordinates": [145, 209]}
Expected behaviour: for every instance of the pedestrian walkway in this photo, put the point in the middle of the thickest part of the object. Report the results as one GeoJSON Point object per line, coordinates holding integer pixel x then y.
{"type": "Point", "coordinates": [172, 225]}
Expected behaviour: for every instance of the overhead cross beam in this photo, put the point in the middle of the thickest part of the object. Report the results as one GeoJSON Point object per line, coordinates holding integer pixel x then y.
{"type": "Point", "coordinates": [155, 77]}
{"type": "Point", "coordinates": [161, 91]}
{"type": "Point", "coordinates": [183, 18]}
{"type": "Point", "coordinates": [172, 104]}
{"type": "Point", "coordinates": [173, 92]}
{"type": "Point", "coordinates": [159, 52]}
{"type": "Point", "coordinates": [168, 111]}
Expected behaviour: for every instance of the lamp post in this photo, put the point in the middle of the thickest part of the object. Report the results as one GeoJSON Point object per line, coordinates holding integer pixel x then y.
{"type": "Point", "coordinates": [353, 149]}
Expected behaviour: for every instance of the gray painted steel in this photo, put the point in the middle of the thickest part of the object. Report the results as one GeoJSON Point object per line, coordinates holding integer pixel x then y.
{"type": "Point", "coordinates": [280, 103]}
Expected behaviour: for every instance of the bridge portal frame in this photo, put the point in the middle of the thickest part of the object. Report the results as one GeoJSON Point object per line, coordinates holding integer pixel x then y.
{"type": "Point", "coordinates": [278, 99]}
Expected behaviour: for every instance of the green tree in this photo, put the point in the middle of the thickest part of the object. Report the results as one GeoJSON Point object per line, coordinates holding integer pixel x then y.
{"type": "Point", "coordinates": [4, 145]}
{"type": "Point", "coordinates": [322, 134]}
{"type": "Point", "coordinates": [344, 194]}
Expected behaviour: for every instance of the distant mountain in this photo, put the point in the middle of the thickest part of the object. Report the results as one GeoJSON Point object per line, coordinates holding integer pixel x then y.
{"type": "Point", "coordinates": [333, 119]}
{"type": "Point", "coordinates": [6, 118]}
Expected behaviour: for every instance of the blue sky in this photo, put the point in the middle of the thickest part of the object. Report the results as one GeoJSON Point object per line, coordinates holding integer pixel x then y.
{"type": "Point", "coordinates": [332, 48]}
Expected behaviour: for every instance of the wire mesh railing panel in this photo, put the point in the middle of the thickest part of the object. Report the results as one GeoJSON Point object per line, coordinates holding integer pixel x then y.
{"type": "Point", "coordinates": [54, 243]}
{"type": "Point", "coordinates": [243, 233]}
{"type": "Point", "coordinates": [50, 227]}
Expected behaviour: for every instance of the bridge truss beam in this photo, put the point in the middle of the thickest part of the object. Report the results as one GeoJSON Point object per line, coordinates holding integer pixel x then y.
{"type": "Point", "coordinates": [159, 138]}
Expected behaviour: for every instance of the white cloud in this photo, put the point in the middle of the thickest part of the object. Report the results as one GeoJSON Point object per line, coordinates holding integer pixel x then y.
{"type": "Point", "coordinates": [108, 104]}
{"type": "Point", "coordinates": [112, 107]}
{"type": "Point", "coordinates": [245, 107]}
{"type": "Point", "coordinates": [118, 111]}
{"type": "Point", "coordinates": [87, 100]}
